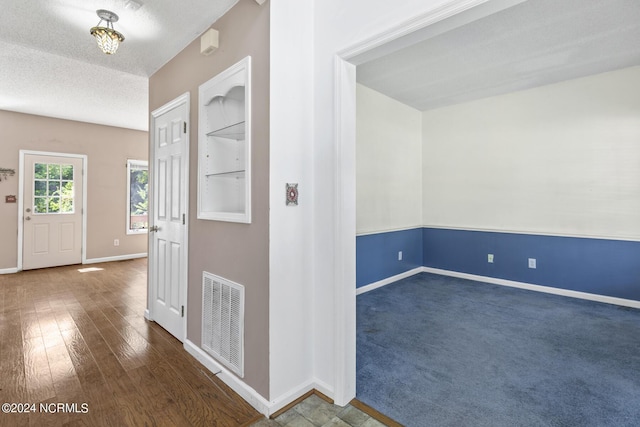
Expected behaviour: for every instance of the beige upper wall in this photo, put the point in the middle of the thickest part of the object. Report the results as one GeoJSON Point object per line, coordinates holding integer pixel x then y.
{"type": "Point", "coordinates": [239, 252]}
{"type": "Point", "coordinates": [107, 149]}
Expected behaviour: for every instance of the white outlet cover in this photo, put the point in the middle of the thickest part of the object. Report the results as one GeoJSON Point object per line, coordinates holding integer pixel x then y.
{"type": "Point", "coordinates": [532, 263]}
{"type": "Point", "coordinates": [490, 258]}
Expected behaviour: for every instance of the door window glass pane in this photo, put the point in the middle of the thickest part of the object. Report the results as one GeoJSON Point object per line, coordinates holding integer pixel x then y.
{"type": "Point", "coordinates": [66, 205]}
{"type": "Point", "coordinates": [67, 189]}
{"type": "Point", "coordinates": [52, 188]}
{"type": "Point", "coordinates": [40, 171]}
{"type": "Point", "coordinates": [40, 205]}
{"type": "Point", "coordinates": [54, 171]}
{"type": "Point", "coordinates": [40, 188]}
{"type": "Point", "coordinates": [67, 172]}
{"type": "Point", "coordinates": [54, 204]}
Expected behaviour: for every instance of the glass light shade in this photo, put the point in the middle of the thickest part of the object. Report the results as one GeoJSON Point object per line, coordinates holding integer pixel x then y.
{"type": "Point", "coordinates": [108, 39]}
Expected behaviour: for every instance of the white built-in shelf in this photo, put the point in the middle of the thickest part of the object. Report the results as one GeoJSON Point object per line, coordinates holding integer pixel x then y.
{"type": "Point", "coordinates": [235, 131]}
{"type": "Point", "coordinates": [224, 145]}
{"type": "Point", "coordinates": [230, 174]}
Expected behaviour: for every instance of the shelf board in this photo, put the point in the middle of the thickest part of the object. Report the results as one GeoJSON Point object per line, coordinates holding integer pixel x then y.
{"type": "Point", "coordinates": [230, 174]}
{"type": "Point", "coordinates": [235, 131]}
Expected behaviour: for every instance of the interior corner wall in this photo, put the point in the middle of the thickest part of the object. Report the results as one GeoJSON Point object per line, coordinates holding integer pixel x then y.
{"type": "Point", "coordinates": [238, 252]}
{"type": "Point", "coordinates": [388, 187]}
{"type": "Point", "coordinates": [549, 173]}
{"type": "Point", "coordinates": [107, 149]}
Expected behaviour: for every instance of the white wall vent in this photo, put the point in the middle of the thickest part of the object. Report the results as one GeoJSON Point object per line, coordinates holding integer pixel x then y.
{"type": "Point", "coordinates": [223, 321]}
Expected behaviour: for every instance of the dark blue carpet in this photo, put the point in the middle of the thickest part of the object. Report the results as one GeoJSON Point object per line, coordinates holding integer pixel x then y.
{"type": "Point", "coordinates": [440, 351]}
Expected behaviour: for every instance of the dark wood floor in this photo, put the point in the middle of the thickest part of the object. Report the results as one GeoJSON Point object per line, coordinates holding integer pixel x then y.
{"type": "Point", "coordinates": [79, 338]}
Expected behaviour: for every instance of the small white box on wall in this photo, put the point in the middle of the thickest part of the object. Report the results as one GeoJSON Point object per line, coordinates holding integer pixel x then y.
{"type": "Point", "coordinates": [209, 42]}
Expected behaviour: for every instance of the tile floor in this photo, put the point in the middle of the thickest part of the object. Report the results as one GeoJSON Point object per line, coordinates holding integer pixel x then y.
{"type": "Point", "coordinates": [316, 412]}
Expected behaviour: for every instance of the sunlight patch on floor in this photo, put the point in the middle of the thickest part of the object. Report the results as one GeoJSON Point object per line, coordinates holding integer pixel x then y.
{"type": "Point", "coordinates": [89, 269]}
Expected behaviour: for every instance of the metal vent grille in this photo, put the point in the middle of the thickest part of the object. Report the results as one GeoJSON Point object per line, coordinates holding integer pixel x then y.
{"type": "Point", "coordinates": [223, 321]}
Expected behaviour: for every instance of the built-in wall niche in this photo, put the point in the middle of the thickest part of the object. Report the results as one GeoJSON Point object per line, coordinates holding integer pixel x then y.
{"type": "Point", "coordinates": [224, 145]}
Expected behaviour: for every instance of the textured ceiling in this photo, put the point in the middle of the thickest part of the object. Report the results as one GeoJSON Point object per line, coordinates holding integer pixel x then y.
{"type": "Point", "coordinates": [533, 43]}
{"type": "Point", "coordinates": [50, 65]}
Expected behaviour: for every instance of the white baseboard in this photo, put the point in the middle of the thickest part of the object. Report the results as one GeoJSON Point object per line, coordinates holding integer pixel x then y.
{"type": "Point", "coordinates": [538, 288]}
{"type": "Point", "coordinates": [388, 280]}
{"type": "Point", "coordinates": [323, 387]}
{"type": "Point", "coordinates": [296, 392]}
{"type": "Point", "coordinates": [147, 314]}
{"type": "Point", "coordinates": [503, 282]}
{"type": "Point", "coordinates": [114, 258]}
{"type": "Point", "coordinates": [254, 398]}
{"type": "Point", "coordinates": [291, 395]}
{"type": "Point", "coordinates": [8, 270]}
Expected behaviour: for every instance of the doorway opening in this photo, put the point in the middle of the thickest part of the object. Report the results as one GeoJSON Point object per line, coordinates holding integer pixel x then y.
{"type": "Point", "coordinates": [349, 66]}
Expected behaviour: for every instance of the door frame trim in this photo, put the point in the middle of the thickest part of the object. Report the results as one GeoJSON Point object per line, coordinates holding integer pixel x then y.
{"type": "Point", "coordinates": [85, 168]}
{"type": "Point", "coordinates": [185, 99]}
{"type": "Point", "coordinates": [384, 42]}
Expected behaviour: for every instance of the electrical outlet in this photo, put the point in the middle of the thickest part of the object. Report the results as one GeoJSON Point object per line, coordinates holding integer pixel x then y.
{"type": "Point", "coordinates": [532, 263]}
{"type": "Point", "coordinates": [399, 255]}
{"type": "Point", "coordinates": [116, 242]}
{"type": "Point", "coordinates": [490, 258]}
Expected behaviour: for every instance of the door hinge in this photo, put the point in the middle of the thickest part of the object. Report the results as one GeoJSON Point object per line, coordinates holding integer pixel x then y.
{"type": "Point", "coordinates": [182, 314]}
{"type": "Point", "coordinates": [183, 220]}
{"type": "Point", "coordinates": [185, 127]}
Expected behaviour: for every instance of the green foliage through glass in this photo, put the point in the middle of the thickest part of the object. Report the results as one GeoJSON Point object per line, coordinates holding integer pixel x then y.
{"type": "Point", "coordinates": [40, 171]}
{"type": "Point", "coordinates": [53, 188]}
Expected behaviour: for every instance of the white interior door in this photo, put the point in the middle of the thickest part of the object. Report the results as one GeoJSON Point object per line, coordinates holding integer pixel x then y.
{"type": "Point", "coordinates": [168, 232]}
{"type": "Point", "coordinates": [52, 211]}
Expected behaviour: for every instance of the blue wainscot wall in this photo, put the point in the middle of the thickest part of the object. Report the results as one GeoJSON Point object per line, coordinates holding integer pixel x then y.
{"type": "Point", "coordinates": [596, 266]}
{"type": "Point", "coordinates": [377, 254]}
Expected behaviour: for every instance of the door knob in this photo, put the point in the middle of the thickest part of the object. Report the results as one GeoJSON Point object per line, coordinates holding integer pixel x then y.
{"type": "Point", "coordinates": [28, 209]}
{"type": "Point", "coordinates": [154, 228]}
{"type": "Point", "coordinates": [28, 218]}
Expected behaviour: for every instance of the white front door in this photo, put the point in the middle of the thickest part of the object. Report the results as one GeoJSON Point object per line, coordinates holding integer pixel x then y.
{"type": "Point", "coordinates": [52, 211]}
{"type": "Point", "coordinates": [168, 231]}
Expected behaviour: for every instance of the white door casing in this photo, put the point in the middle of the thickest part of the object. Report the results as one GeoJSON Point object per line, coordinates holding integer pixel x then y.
{"type": "Point", "coordinates": [168, 231]}
{"type": "Point", "coordinates": [52, 209]}
{"type": "Point", "coordinates": [384, 42]}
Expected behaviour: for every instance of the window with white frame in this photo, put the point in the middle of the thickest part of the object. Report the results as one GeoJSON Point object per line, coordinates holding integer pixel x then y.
{"type": "Point", "coordinates": [137, 196]}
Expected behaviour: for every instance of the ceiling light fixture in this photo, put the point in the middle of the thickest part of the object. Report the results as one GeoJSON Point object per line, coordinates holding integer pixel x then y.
{"type": "Point", "coordinates": [108, 39]}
